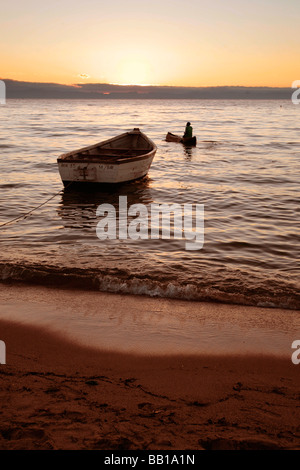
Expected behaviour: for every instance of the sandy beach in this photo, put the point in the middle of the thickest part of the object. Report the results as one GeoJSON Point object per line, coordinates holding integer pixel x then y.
{"type": "Point", "coordinates": [59, 394]}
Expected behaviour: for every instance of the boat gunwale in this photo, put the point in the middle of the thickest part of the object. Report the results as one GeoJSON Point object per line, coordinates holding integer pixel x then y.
{"type": "Point", "coordinates": [108, 161]}
{"type": "Point", "coordinates": [64, 157]}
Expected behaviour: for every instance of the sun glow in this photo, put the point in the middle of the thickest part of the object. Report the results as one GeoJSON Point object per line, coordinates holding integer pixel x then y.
{"type": "Point", "coordinates": [134, 72]}
{"type": "Point", "coordinates": [157, 42]}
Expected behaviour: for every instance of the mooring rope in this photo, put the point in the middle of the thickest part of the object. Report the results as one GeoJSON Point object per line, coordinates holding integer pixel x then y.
{"type": "Point", "coordinates": [24, 216]}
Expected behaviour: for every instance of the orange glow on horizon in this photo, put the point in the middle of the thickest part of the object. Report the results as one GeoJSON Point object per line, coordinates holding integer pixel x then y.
{"type": "Point", "coordinates": [220, 44]}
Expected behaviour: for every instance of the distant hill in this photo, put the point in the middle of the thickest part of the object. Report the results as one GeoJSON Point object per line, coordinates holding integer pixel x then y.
{"type": "Point", "coordinates": [31, 90]}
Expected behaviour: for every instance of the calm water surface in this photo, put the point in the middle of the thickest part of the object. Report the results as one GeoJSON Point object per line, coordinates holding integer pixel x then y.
{"type": "Point", "coordinates": [245, 170]}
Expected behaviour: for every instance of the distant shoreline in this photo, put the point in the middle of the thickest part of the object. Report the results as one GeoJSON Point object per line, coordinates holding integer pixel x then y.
{"type": "Point", "coordinates": [150, 98]}
{"type": "Point", "coordinates": [99, 91]}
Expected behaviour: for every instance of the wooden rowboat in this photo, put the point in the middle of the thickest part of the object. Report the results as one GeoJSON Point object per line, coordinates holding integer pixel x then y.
{"type": "Point", "coordinates": [123, 158]}
{"type": "Point", "coordinates": [182, 140]}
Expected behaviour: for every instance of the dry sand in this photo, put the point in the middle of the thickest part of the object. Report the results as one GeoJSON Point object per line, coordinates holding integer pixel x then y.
{"type": "Point", "coordinates": [57, 394]}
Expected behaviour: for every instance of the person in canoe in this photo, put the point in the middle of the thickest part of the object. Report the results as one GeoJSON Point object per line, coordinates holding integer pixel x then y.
{"type": "Point", "coordinates": [188, 133]}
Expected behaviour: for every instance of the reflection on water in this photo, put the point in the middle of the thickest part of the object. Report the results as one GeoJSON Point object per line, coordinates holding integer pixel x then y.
{"type": "Point", "coordinates": [188, 151]}
{"type": "Point", "coordinates": [78, 205]}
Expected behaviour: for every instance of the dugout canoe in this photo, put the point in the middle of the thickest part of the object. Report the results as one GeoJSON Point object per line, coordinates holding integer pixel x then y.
{"type": "Point", "coordinates": [182, 140]}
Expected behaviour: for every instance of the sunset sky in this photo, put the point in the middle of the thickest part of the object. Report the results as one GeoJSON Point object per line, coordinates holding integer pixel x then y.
{"type": "Point", "coordinates": [158, 42]}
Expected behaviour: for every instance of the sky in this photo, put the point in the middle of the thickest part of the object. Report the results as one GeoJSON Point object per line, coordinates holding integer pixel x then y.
{"type": "Point", "coordinates": [156, 42]}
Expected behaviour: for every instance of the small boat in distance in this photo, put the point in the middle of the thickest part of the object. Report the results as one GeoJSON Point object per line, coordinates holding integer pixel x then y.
{"type": "Point", "coordinates": [182, 140]}
{"type": "Point", "coordinates": [123, 158]}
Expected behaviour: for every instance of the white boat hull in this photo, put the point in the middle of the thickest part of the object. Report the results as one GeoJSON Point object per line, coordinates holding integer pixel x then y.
{"type": "Point", "coordinates": [110, 161]}
{"type": "Point", "coordinates": [92, 172]}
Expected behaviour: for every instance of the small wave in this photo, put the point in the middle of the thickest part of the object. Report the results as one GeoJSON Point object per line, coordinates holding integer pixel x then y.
{"type": "Point", "coordinates": [230, 291]}
{"type": "Point", "coordinates": [45, 165]}
{"type": "Point", "coordinates": [59, 135]}
{"type": "Point", "coordinates": [12, 185]}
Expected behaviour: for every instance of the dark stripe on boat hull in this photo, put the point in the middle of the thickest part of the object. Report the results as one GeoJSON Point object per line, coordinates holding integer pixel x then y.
{"type": "Point", "coordinates": [92, 185]}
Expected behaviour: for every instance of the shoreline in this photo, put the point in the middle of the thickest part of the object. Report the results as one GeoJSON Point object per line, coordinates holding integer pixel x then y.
{"type": "Point", "coordinates": [142, 324]}
{"type": "Point", "coordinates": [59, 394]}
{"type": "Point", "coordinates": [121, 281]}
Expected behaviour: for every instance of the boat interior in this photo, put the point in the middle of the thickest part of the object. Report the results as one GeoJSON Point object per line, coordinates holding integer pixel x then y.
{"type": "Point", "coordinates": [124, 147]}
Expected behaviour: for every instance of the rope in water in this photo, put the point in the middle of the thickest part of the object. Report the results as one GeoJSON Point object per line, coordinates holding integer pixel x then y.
{"type": "Point", "coordinates": [24, 216]}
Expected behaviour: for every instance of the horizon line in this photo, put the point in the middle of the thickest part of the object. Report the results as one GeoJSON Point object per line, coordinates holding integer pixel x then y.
{"type": "Point", "coordinates": [142, 85]}
{"type": "Point", "coordinates": [50, 90]}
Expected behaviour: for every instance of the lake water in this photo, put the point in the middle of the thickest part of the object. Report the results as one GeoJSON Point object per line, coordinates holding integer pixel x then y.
{"type": "Point", "coordinates": [245, 169]}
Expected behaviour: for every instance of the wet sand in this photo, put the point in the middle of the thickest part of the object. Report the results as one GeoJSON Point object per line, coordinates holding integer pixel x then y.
{"type": "Point", "coordinates": [58, 394]}
{"type": "Point", "coordinates": [145, 325]}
